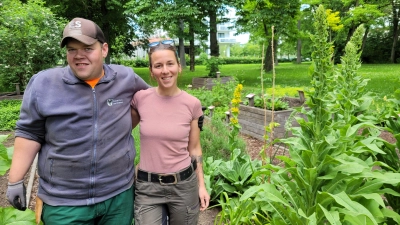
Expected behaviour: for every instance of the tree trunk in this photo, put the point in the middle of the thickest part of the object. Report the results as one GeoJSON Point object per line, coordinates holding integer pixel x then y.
{"type": "Point", "coordinates": [106, 30]}
{"type": "Point", "coordinates": [298, 58]}
{"type": "Point", "coordinates": [214, 48]}
{"type": "Point", "coordinates": [191, 49]}
{"type": "Point", "coordinates": [268, 59]}
{"type": "Point", "coordinates": [395, 36]}
{"type": "Point", "coordinates": [275, 52]}
{"type": "Point", "coordinates": [365, 38]}
{"type": "Point", "coordinates": [182, 45]}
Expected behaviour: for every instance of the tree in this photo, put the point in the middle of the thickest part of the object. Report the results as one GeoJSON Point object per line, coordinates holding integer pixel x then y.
{"type": "Point", "coordinates": [183, 20]}
{"type": "Point", "coordinates": [258, 17]}
{"type": "Point", "coordinates": [108, 14]}
{"type": "Point", "coordinates": [353, 13]}
{"type": "Point", "coordinates": [334, 22]}
{"type": "Point", "coordinates": [212, 9]}
{"type": "Point", "coordinates": [395, 9]}
{"type": "Point", "coordinates": [30, 41]}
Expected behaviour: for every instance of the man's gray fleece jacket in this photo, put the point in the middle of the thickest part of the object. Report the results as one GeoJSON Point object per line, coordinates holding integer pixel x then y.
{"type": "Point", "coordinates": [87, 150]}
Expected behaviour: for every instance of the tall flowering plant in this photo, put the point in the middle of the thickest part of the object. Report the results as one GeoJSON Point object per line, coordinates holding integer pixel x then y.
{"type": "Point", "coordinates": [234, 122]}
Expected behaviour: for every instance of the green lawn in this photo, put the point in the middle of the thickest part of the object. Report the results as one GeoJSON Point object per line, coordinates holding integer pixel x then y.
{"type": "Point", "coordinates": [384, 78]}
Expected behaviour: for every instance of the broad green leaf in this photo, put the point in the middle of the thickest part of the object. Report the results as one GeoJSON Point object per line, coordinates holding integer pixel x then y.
{"type": "Point", "coordinates": [391, 214]}
{"type": "Point", "coordinates": [372, 186]}
{"type": "Point", "coordinates": [373, 196]}
{"type": "Point", "coordinates": [331, 216]}
{"type": "Point", "coordinates": [10, 152]}
{"type": "Point", "coordinates": [4, 166]}
{"type": "Point", "coordinates": [352, 218]}
{"type": "Point", "coordinates": [351, 167]}
{"type": "Point", "coordinates": [310, 174]}
{"type": "Point", "coordinates": [372, 206]}
{"type": "Point", "coordinates": [353, 207]}
{"type": "Point", "coordinates": [11, 216]}
{"type": "Point", "coordinates": [227, 187]}
{"type": "Point", "coordinates": [3, 138]}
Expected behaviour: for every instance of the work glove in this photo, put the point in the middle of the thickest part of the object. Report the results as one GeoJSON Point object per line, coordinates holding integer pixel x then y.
{"type": "Point", "coordinates": [16, 195]}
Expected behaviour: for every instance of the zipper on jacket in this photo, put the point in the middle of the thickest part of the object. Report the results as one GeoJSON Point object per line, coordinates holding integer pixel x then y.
{"type": "Point", "coordinates": [94, 151]}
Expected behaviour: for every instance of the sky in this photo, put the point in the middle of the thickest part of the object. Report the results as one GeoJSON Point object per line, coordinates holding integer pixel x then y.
{"type": "Point", "coordinates": [242, 38]}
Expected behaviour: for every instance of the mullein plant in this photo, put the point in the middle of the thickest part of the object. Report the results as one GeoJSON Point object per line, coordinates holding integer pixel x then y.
{"type": "Point", "coordinates": [330, 176]}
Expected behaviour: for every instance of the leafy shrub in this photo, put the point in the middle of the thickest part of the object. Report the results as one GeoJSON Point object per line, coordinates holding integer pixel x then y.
{"type": "Point", "coordinates": [278, 103]}
{"type": "Point", "coordinates": [219, 96]}
{"type": "Point", "coordinates": [29, 41]}
{"type": "Point", "coordinates": [202, 59]}
{"type": "Point", "coordinates": [141, 63]}
{"type": "Point", "coordinates": [241, 60]}
{"type": "Point", "coordinates": [214, 139]}
{"type": "Point", "coordinates": [132, 62]}
{"type": "Point", "coordinates": [5, 156]}
{"type": "Point", "coordinates": [9, 113]}
{"type": "Point", "coordinates": [212, 65]}
{"type": "Point", "coordinates": [232, 176]}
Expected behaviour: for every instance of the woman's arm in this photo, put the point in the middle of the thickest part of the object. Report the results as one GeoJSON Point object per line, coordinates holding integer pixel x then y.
{"type": "Point", "coordinates": [195, 153]}
{"type": "Point", "coordinates": [135, 117]}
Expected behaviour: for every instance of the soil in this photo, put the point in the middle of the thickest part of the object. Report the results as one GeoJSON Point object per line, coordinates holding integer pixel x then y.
{"type": "Point", "coordinates": [207, 217]}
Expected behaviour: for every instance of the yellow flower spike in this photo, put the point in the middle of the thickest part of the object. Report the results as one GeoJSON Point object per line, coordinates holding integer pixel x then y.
{"type": "Point", "coordinates": [235, 101]}
{"type": "Point", "coordinates": [235, 109]}
{"type": "Point", "coordinates": [234, 121]}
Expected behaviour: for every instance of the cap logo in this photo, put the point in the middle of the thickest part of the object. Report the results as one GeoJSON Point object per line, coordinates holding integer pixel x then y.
{"type": "Point", "coordinates": [75, 24]}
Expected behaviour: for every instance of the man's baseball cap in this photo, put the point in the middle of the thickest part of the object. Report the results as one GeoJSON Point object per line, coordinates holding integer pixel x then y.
{"type": "Point", "coordinates": [83, 30]}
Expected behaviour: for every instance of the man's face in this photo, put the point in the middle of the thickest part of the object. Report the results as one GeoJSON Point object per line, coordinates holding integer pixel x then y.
{"type": "Point", "coordinates": [86, 61]}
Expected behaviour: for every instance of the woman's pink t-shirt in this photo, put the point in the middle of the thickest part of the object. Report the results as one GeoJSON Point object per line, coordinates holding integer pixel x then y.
{"type": "Point", "coordinates": [164, 129]}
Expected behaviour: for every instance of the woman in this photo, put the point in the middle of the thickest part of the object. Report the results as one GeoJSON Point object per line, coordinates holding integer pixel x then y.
{"type": "Point", "coordinates": [170, 176]}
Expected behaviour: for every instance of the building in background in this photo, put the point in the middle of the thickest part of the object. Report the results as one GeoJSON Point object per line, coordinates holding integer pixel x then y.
{"type": "Point", "coordinates": [225, 35]}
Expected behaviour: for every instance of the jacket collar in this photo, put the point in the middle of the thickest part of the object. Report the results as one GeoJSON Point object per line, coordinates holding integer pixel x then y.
{"type": "Point", "coordinates": [69, 77]}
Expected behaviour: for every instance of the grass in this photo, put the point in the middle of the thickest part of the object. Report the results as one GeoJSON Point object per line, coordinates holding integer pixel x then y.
{"type": "Point", "coordinates": [383, 78]}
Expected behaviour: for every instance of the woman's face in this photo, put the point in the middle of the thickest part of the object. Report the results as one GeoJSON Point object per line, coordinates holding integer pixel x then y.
{"type": "Point", "coordinates": [165, 68]}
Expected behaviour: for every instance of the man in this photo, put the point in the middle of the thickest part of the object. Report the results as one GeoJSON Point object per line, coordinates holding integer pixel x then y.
{"type": "Point", "coordinates": [78, 118]}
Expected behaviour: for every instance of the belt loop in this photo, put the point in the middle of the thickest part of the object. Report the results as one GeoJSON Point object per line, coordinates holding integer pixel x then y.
{"type": "Point", "coordinates": [148, 177]}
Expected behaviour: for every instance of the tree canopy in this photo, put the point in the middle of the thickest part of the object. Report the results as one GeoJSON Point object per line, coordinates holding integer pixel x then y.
{"type": "Point", "coordinates": [108, 14]}
{"type": "Point", "coordinates": [257, 17]}
{"type": "Point", "coordinates": [30, 41]}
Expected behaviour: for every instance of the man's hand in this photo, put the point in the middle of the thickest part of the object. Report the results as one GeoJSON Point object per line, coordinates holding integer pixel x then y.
{"type": "Point", "coordinates": [16, 195]}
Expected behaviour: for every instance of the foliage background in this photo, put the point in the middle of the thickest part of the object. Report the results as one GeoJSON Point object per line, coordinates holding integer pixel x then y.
{"type": "Point", "coordinates": [29, 41]}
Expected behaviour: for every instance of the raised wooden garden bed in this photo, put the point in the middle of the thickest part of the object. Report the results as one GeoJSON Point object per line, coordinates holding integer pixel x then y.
{"type": "Point", "coordinates": [208, 82]}
{"type": "Point", "coordinates": [253, 120]}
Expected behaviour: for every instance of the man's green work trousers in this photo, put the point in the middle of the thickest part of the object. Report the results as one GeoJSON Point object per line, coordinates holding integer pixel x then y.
{"type": "Point", "coordinates": [116, 210]}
